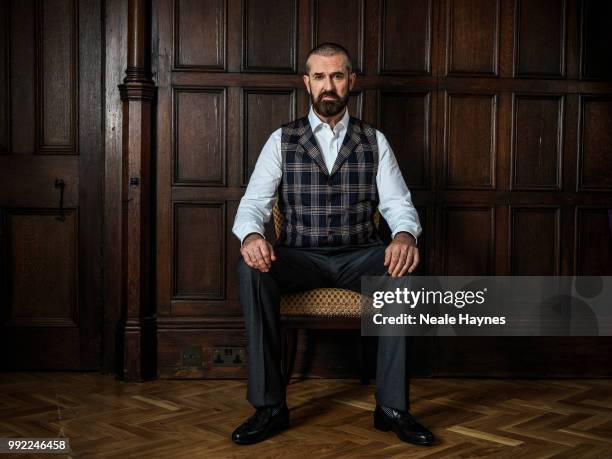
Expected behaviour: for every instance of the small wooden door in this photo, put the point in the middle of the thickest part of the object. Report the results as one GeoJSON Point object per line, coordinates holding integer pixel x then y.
{"type": "Point", "coordinates": [51, 168]}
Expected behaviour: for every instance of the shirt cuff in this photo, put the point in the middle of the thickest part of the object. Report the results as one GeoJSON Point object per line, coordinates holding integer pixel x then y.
{"type": "Point", "coordinates": [252, 232]}
{"type": "Point", "coordinates": [404, 231]}
{"type": "Point", "coordinates": [242, 229]}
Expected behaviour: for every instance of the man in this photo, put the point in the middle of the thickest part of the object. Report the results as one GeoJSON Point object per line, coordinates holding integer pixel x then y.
{"type": "Point", "coordinates": [330, 172]}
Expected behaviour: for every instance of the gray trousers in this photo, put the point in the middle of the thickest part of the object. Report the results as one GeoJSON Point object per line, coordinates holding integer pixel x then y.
{"type": "Point", "coordinates": [298, 269]}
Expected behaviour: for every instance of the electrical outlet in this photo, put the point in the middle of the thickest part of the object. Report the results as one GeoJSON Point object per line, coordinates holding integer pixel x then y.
{"type": "Point", "coordinates": [228, 356]}
{"type": "Point", "coordinates": [192, 356]}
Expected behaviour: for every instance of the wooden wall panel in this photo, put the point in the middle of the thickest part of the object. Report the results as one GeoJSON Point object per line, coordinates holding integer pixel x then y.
{"type": "Point", "coordinates": [534, 241]}
{"type": "Point", "coordinates": [540, 38]}
{"type": "Point", "coordinates": [42, 260]}
{"type": "Point", "coordinates": [468, 241]}
{"type": "Point", "coordinates": [473, 37]}
{"type": "Point", "coordinates": [514, 357]}
{"type": "Point", "coordinates": [199, 241]}
{"type": "Point", "coordinates": [4, 71]}
{"type": "Point", "coordinates": [23, 77]}
{"type": "Point", "coordinates": [174, 342]}
{"type": "Point", "coordinates": [470, 148]}
{"type": "Point", "coordinates": [58, 77]}
{"type": "Point", "coordinates": [270, 36]}
{"type": "Point", "coordinates": [593, 246]}
{"type": "Point", "coordinates": [424, 242]}
{"type": "Point", "coordinates": [405, 121]}
{"type": "Point", "coordinates": [200, 40]}
{"type": "Point", "coordinates": [405, 37]}
{"type": "Point", "coordinates": [596, 55]}
{"type": "Point", "coordinates": [199, 138]}
{"type": "Point", "coordinates": [537, 142]}
{"type": "Point", "coordinates": [264, 112]}
{"type": "Point", "coordinates": [355, 104]}
{"type": "Point", "coordinates": [333, 21]}
{"type": "Point", "coordinates": [498, 137]}
{"type": "Point", "coordinates": [232, 307]}
{"type": "Point", "coordinates": [595, 143]}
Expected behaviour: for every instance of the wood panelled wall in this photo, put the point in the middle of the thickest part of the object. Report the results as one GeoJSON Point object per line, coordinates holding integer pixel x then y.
{"type": "Point", "coordinates": [500, 115]}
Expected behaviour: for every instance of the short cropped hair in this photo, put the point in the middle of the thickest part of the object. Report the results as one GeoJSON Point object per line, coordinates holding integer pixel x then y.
{"type": "Point", "coordinates": [330, 49]}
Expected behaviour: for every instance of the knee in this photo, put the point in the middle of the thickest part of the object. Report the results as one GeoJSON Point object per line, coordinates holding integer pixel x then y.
{"type": "Point", "coordinates": [379, 263]}
{"type": "Point", "coordinates": [243, 270]}
{"type": "Point", "coordinates": [246, 273]}
{"type": "Point", "coordinates": [373, 261]}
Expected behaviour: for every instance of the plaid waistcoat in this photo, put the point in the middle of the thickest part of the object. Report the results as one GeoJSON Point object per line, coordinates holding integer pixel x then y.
{"type": "Point", "coordinates": [328, 209]}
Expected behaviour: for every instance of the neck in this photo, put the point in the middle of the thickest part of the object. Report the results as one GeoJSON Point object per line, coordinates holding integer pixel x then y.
{"type": "Point", "coordinates": [331, 120]}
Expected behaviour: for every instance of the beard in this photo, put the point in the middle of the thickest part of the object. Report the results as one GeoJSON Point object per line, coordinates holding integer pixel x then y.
{"type": "Point", "coordinates": [329, 108]}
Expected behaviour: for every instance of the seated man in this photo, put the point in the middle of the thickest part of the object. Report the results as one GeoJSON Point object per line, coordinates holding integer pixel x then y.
{"type": "Point", "coordinates": [331, 172]}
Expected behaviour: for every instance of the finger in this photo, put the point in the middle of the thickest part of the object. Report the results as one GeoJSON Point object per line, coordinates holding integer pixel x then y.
{"type": "Point", "coordinates": [252, 258]}
{"type": "Point", "coordinates": [263, 267]}
{"type": "Point", "coordinates": [257, 256]}
{"type": "Point", "coordinates": [406, 264]}
{"type": "Point", "coordinates": [387, 256]}
{"type": "Point", "coordinates": [416, 261]}
{"type": "Point", "coordinates": [272, 253]}
{"type": "Point", "coordinates": [265, 252]}
{"type": "Point", "coordinates": [394, 259]}
{"type": "Point", "coordinates": [247, 258]}
{"type": "Point", "coordinates": [400, 261]}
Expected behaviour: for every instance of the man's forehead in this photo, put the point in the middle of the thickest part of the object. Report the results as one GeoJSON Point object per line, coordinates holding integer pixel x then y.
{"type": "Point", "coordinates": [327, 64]}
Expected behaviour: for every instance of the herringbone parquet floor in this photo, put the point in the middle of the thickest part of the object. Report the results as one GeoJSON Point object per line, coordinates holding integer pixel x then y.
{"type": "Point", "coordinates": [104, 417]}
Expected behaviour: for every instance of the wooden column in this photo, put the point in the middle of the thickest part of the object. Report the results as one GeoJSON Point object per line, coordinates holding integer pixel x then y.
{"type": "Point", "coordinates": [137, 95]}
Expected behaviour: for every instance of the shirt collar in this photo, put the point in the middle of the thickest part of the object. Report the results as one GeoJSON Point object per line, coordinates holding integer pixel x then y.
{"type": "Point", "coordinates": [315, 121]}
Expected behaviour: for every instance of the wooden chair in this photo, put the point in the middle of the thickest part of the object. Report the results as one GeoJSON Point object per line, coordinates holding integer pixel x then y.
{"type": "Point", "coordinates": [321, 308]}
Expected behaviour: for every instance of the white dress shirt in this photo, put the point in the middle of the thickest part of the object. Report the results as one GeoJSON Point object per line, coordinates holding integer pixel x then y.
{"type": "Point", "coordinates": [395, 203]}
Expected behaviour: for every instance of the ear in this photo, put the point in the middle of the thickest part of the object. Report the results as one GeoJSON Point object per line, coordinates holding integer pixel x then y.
{"type": "Point", "coordinates": [352, 79]}
{"type": "Point", "coordinates": [306, 79]}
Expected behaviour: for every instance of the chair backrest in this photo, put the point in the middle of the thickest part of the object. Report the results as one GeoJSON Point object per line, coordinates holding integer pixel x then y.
{"type": "Point", "coordinates": [277, 217]}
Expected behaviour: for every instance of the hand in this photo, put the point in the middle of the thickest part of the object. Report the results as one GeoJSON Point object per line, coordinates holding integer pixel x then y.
{"type": "Point", "coordinates": [401, 255]}
{"type": "Point", "coordinates": [257, 252]}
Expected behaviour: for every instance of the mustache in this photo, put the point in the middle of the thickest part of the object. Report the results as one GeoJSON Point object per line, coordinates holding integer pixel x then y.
{"type": "Point", "coordinates": [328, 94]}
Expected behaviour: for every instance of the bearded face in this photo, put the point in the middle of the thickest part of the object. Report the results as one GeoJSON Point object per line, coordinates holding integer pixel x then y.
{"type": "Point", "coordinates": [329, 81]}
{"type": "Point", "coordinates": [329, 103]}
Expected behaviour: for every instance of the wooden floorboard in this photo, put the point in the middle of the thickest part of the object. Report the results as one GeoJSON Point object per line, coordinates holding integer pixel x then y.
{"type": "Point", "coordinates": [107, 418]}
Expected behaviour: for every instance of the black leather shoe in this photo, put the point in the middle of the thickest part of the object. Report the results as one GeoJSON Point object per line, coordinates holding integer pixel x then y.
{"type": "Point", "coordinates": [404, 426]}
{"type": "Point", "coordinates": [261, 426]}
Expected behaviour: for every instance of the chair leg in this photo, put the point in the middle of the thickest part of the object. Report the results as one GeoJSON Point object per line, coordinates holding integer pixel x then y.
{"type": "Point", "coordinates": [363, 361]}
{"type": "Point", "coordinates": [289, 337]}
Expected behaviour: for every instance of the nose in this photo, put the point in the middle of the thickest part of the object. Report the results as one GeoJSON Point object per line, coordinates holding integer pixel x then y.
{"type": "Point", "coordinates": [328, 86]}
